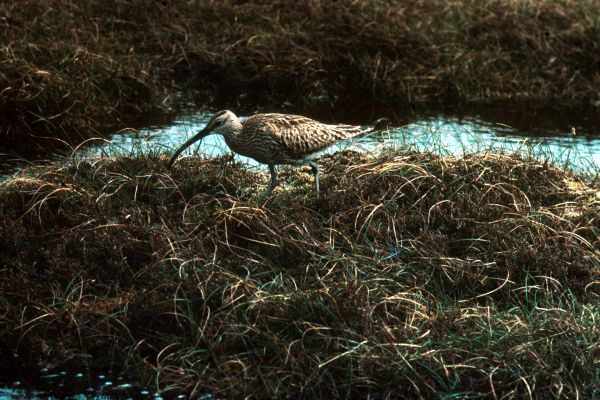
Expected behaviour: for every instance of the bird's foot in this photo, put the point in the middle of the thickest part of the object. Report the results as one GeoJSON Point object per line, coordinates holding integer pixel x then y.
{"type": "Point", "coordinates": [269, 190]}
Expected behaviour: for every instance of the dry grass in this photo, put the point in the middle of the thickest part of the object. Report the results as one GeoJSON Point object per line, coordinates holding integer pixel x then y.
{"type": "Point", "coordinates": [413, 276]}
{"type": "Point", "coordinates": [69, 69]}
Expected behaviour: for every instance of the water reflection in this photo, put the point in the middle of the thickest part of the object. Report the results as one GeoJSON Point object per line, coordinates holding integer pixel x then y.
{"type": "Point", "coordinates": [47, 384]}
{"type": "Point", "coordinates": [442, 135]}
{"type": "Point", "coordinates": [79, 385]}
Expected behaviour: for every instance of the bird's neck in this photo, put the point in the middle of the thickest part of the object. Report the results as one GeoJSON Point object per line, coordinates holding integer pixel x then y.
{"type": "Point", "coordinates": [231, 134]}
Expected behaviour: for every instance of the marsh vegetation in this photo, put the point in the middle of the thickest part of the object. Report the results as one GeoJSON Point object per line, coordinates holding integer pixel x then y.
{"type": "Point", "coordinates": [435, 275]}
{"type": "Point", "coordinates": [73, 69]}
{"type": "Point", "coordinates": [417, 274]}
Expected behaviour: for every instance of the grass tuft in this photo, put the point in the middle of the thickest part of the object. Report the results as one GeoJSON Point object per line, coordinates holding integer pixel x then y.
{"type": "Point", "coordinates": [414, 275]}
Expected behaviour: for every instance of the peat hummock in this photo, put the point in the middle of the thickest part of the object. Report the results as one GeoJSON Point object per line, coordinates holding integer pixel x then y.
{"type": "Point", "coordinates": [414, 275]}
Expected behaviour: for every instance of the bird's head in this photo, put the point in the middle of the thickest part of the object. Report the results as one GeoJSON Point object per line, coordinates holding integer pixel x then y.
{"type": "Point", "coordinates": [224, 123]}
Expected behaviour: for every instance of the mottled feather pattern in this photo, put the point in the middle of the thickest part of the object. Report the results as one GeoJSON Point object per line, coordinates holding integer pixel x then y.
{"type": "Point", "coordinates": [275, 139]}
{"type": "Point", "coordinates": [290, 138]}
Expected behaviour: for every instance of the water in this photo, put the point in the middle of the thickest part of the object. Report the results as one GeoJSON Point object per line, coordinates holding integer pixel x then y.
{"type": "Point", "coordinates": [20, 381]}
{"type": "Point", "coordinates": [80, 385]}
{"type": "Point", "coordinates": [577, 148]}
{"type": "Point", "coordinates": [440, 134]}
{"type": "Point", "coordinates": [45, 384]}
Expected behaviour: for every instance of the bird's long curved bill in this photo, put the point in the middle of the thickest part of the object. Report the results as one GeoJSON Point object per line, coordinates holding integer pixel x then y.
{"type": "Point", "coordinates": [199, 136]}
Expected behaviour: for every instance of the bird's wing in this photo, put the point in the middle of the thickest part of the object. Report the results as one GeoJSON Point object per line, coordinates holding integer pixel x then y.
{"type": "Point", "coordinates": [300, 136]}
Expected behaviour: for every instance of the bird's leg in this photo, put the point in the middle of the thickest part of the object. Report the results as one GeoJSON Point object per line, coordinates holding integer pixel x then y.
{"type": "Point", "coordinates": [274, 181]}
{"type": "Point", "coordinates": [315, 172]}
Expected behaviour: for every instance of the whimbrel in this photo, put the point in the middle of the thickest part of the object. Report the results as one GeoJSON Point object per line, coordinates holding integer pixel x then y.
{"type": "Point", "coordinates": [276, 139]}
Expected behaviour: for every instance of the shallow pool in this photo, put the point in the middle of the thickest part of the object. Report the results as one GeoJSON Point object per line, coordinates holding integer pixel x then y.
{"type": "Point", "coordinates": [441, 134]}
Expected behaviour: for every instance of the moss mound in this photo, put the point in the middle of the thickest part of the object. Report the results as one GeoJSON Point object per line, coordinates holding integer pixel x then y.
{"type": "Point", "coordinates": [412, 276]}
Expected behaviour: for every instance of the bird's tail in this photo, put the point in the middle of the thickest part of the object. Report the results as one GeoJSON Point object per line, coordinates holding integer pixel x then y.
{"type": "Point", "coordinates": [349, 131]}
{"type": "Point", "coordinates": [382, 124]}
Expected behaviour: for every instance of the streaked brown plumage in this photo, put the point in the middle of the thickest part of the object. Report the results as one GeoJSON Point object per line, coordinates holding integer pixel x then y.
{"type": "Point", "coordinates": [275, 139]}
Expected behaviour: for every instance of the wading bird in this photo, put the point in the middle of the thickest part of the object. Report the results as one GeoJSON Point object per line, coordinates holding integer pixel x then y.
{"type": "Point", "coordinates": [277, 139]}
